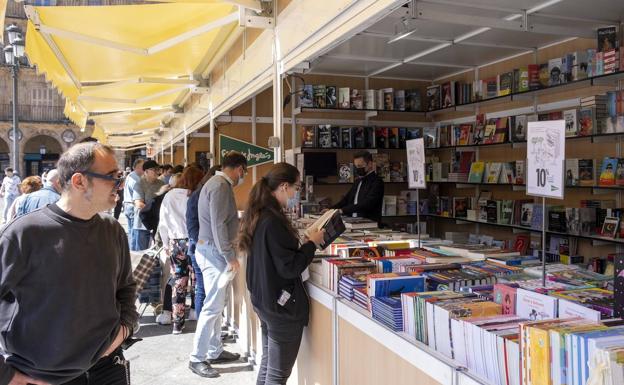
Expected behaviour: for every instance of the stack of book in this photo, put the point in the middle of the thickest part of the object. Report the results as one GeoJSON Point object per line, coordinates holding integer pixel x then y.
{"type": "Point", "coordinates": [593, 115]}
{"type": "Point", "coordinates": [348, 283]}
{"type": "Point", "coordinates": [387, 310]}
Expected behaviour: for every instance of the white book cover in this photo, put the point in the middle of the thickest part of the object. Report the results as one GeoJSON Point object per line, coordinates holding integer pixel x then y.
{"type": "Point", "coordinates": [569, 309]}
{"type": "Point", "coordinates": [369, 100]}
{"type": "Point", "coordinates": [571, 128]}
{"type": "Point", "coordinates": [534, 306]}
{"type": "Point", "coordinates": [572, 172]}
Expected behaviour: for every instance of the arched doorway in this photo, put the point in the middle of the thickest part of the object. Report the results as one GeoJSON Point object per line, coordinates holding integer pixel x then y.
{"type": "Point", "coordinates": [5, 157]}
{"type": "Point", "coordinates": [41, 152]}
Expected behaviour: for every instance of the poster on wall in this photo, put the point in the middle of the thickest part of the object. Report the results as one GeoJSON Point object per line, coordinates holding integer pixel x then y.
{"type": "Point", "coordinates": [546, 158]}
{"type": "Point", "coordinates": [255, 155]}
{"type": "Point", "coordinates": [416, 163]}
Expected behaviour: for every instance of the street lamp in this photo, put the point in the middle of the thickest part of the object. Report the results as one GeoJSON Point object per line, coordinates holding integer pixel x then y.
{"type": "Point", "coordinates": [42, 149]}
{"type": "Point", "coordinates": [12, 53]}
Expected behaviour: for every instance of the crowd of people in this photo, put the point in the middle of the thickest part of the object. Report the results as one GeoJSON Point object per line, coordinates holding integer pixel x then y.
{"type": "Point", "coordinates": [59, 243]}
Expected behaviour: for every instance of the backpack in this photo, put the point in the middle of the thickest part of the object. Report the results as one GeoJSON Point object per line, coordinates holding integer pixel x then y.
{"type": "Point", "coordinates": [151, 216]}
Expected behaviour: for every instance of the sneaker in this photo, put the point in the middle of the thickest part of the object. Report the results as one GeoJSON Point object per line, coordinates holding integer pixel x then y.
{"type": "Point", "coordinates": [224, 357]}
{"type": "Point", "coordinates": [203, 369]}
{"type": "Point", "coordinates": [178, 327]}
{"type": "Point", "coordinates": [164, 318]}
{"type": "Point", "coordinates": [192, 315]}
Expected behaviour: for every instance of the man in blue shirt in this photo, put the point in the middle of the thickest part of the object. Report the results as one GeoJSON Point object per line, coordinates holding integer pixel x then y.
{"type": "Point", "coordinates": [128, 202]}
{"type": "Point", "coordinates": [50, 193]}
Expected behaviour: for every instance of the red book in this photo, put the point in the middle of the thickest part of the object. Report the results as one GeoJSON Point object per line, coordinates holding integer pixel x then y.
{"type": "Point", "coordinates": [534, 81]}
{"type": "Point", "coordinates": [521, 244]}
{"type": "Point", "coordinates": [506, 297]}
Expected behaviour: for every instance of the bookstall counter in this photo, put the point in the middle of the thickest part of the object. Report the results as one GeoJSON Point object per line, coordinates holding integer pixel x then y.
{"type": "Point", "coordinates": [367, 352]}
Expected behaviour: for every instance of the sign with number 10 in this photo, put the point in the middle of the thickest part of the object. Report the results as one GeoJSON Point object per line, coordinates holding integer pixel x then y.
{"type": "Point", "coordinates": [546, 158]}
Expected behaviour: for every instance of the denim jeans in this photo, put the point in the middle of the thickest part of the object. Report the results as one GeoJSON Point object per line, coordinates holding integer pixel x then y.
{"type": "Point", "coordinates": [140, 240]}
{"type": "Point", "coordinates": [8, 201]}
{"type": "Point", "coordinates": [207, 342]}
{"type": "Point", "coordinates": [280, 345]}
{"type": "Point", "coordinates": [200, 294]}
{"type": "Point", "coordinates": [109, 370]}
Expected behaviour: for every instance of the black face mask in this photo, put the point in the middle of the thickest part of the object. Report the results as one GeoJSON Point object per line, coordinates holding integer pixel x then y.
{"type": "Point", "coordinates": [360, 171]}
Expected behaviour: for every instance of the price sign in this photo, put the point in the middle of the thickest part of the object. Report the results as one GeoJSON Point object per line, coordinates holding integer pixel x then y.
{"type": "Point", "coordinates": [546, 158]}
{"type": "Point", "coordinates": [416, 163]}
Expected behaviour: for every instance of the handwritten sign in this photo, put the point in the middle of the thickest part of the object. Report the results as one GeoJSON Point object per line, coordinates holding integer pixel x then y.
{"type": "Point", "coordinates": [546, 158]}
{"type": "Point", "coordinates": [416, 163]}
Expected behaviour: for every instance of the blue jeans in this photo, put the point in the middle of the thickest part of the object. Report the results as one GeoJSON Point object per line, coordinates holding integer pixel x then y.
{"type": "Point", "coordinates": [200, 294]}
{"type": "Point", "coordinates": [8, 201]}
{"type": "Point", "coordinates": [207, 342]}
{"type": "Point", "coordinates": [140, 240]}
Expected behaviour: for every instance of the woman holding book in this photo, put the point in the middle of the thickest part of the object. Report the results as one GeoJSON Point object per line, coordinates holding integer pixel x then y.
{"type": "Point", "coordinates": [275, 262]}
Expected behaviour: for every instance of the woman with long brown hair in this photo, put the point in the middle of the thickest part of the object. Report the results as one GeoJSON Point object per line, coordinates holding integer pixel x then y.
{"type": "Point", "coordinates": [173, 232]}
{"type": "Point", "coordinates": [275, 262]}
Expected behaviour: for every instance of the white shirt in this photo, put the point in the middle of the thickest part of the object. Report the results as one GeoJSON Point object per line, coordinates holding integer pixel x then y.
{"type": "Point", "coordinates": [172, 221]}
{"type": "Point", "coordinates": [9, 185]}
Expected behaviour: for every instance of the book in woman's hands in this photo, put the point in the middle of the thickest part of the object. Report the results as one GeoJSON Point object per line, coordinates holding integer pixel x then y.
{"type": "Point", "coordinates": [333, 225]}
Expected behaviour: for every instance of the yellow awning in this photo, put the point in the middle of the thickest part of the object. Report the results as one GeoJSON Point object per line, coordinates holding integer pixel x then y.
{"type": "Point", "coordinates": [109, 59]}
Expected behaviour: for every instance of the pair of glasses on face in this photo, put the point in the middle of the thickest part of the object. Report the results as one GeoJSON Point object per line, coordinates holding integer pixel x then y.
{"type": "Point", "coordinates": [117, 180]}
{"type": "Point", "coordinates": [297, 186]}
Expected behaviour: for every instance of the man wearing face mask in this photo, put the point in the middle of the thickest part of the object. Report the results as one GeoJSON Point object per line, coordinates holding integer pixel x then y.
{"type": "Point", "coordinates": [365, 198]}
{"type": "Point", "coordinates": [216, 258]}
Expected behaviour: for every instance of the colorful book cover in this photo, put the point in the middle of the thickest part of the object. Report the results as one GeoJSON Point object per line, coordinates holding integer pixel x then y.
{"type": "Point", "coordinates": [476, 172]}
{"type": "Point", "coordinates": [433, 97]}
{"type": "Point", "coordinates": [320, 96]}
{"type": "Point", "coordinates": [491, 87]}
{"type": "Point", "coordinates": [554, 71]}
{"type": "Point", "coordinates": [544, 75]}
{"type": "Point", "coordinates": [490, 132]}
{"type": "Point", "coordinates": [505, 81]}
{"type": "Point", "coordinates": [535, 306]}
{"type": "Point", "coordinates": [357, 99]}
{"type": "Point", "coordinates": [607, 172]}
{"type": "Point", "coordinates": [447, 95]}
{"type": "Point", "coordinates": [307, 96]}
{"type": "Point", "coordinates": [610, 227]}
{"type": "Point", "coordinates": [388, 95]}
{"type": "Point", "coordinates": [587, 121]}
{"type": "Point", "coordinates": [308, 135]}
{"type": "Point", "coordinates": [412, 100]}
{"type": "Point", "coordinates": [619, 173]}
{"type": "Point", "coordinates": [534, 76]}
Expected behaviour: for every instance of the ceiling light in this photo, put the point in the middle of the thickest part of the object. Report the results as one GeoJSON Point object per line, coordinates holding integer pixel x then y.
{"type": "Point", "coordinates": [406, 31]}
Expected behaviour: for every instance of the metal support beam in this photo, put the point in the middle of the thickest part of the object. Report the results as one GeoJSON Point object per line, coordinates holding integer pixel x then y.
{"type": "Point", "coordinates": [254, 135]}
{"type": "Point", "coordinates": [278, 128]}
{"type": "Point", "coordinates": [185, 147]}
{"type": "Point", "coordinates": [212, 138]}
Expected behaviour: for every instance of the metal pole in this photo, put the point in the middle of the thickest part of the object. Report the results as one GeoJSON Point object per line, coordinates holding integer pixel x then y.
{"type": "Point", "coordinates": [185, 147]}
{"type": "Point", "coordinates": [213, 159]}
{"type": "Point", "coordinates": [14, 70]}
{"type": "Point", "coordinates": [171, 146]}
{"type": "Point", "coordinates": [277, 99]}
{"type": "Point", "coordinates": [543, 242]}
{"type": "Point", "coordinates": [418, 214]}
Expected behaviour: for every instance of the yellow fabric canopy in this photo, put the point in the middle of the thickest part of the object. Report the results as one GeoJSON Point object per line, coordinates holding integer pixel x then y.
{"type": "Point", "coordinates": [127, 57]}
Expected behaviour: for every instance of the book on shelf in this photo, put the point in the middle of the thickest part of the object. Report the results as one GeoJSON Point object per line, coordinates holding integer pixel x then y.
{"type": "Point", "coordinates": [505, 80]}
{"type": "Point", "coordinates": [491, 87]}
{"type": "Point", "coordinates": [324, 136]}
{"type": "Point", "coordinates": [379, 99]}
{"type": "Point", "coordinates": [369, 100]}
{"type": "Point", "coordinates": [619, 172]}
{"type": "Point", "coordinates": [433, 97]}
{"type": "Point", "coordinates": [554, 71]}
{"type": "Point", "coordinates": [572, 172]}
{"type": "Point", "coordinates": [397, 172]}
{"type": "Point", "coordinates": [320, 96]}
{"type": "Point", "coordinates": [370, 141]}
{"type": "Point", "coordinates": [344, 97]}
{"type": "Point", "coordinates": [331, 97]}
{"type": "Point", "coordinates": [357, 99]}
{"type": "Point", "coordinates": [388, 94]}
{"type": "Point", "coordinates": [493, 171]}
{"type": "Point", "coordinates": [412, 100]}
{"type": "Point", "coordinates": [520, 172]}
{"type": "Point", "coordinates": [386, 284]}
{"type": "Point", "coordinates": [345, 173]}
{"type": "Point", "coordinates": [586, 121]}
{"type": "Point", "coordinates": [535, 306]}
{"type": "Point", "coordinates": [346, 137]}
{"type": "Point", "coordinates": [389, 206]}
{"type": "Point", "coordinates": [393, 137]}
{"type": "Point", "coordinates": [607, 38]}
{"type": "Point", "coordinates": [336, 137]}
{"type": "Point", "coordinates": [308, 134]}
{"type": "Point", "coordinates": [610, 227]}
{"type": "Point", "coordinates": [399, 100]}
{"type": "Point", "coordinates": [382, 164]}
{"type": "Point", "coordinates": [523, 79]}
{"type": "Point", "coordinates": [448, 97]}
{"type": "Point", "coordinates": [381, 137]}
{"type": "Point", "coordinates": [465, 134]}
{"type": "Point", "coordinates": [489, 133]}
{"type": "Point", "coordinates": [519, 128]}
{"type": "Point", "coordinates": [571, 127]}
{"type": "Point", "coordinates": [544, 75]}
{"type": "Point", "coordinates": [607, 172]}
{"type": "Point", "coordinates": [526, 214]}
{"type": "Point", "coordinates": [507, 173]}
{"type": "Point", "coordinates": [477, 170]}
{"type": "Point", "coordinates": [534, 76]}
{"type": "Point", "coordinates": [586, 172]}
{"type": "Point", "coordinates": [359, 137]}
{"type": "Point", "coordinates": [502, 130]}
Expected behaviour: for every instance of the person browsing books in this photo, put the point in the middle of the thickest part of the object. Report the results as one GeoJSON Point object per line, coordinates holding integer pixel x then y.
{"type": "Point", "coordinates": [365, 198]}
{"type": "Point", "coordinates": [275, 262]}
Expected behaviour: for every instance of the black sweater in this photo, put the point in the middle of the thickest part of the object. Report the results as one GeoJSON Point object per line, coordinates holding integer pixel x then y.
{"type": "Point", "coordinates": [370, 198]}
{"type": "Point", "coordinates": [66, 287]}
{"type": "Point", "coordinates": [275, 263]}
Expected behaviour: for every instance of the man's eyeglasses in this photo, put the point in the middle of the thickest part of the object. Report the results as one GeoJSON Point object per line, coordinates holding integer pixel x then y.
{"type": "Point", "coordinates": [297, 186]}
{"type": "Point", "coordinates": [117, 180]}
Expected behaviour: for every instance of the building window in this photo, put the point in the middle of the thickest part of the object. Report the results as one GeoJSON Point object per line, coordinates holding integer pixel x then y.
{"type": "Point", "coordinates": [44, 97]}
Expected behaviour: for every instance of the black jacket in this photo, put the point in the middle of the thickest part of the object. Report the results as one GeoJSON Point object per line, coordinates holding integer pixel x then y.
{"type": "Point", "coordinates": [370, 199]}
{"type": "Point", "coordinates": [275, 263]}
